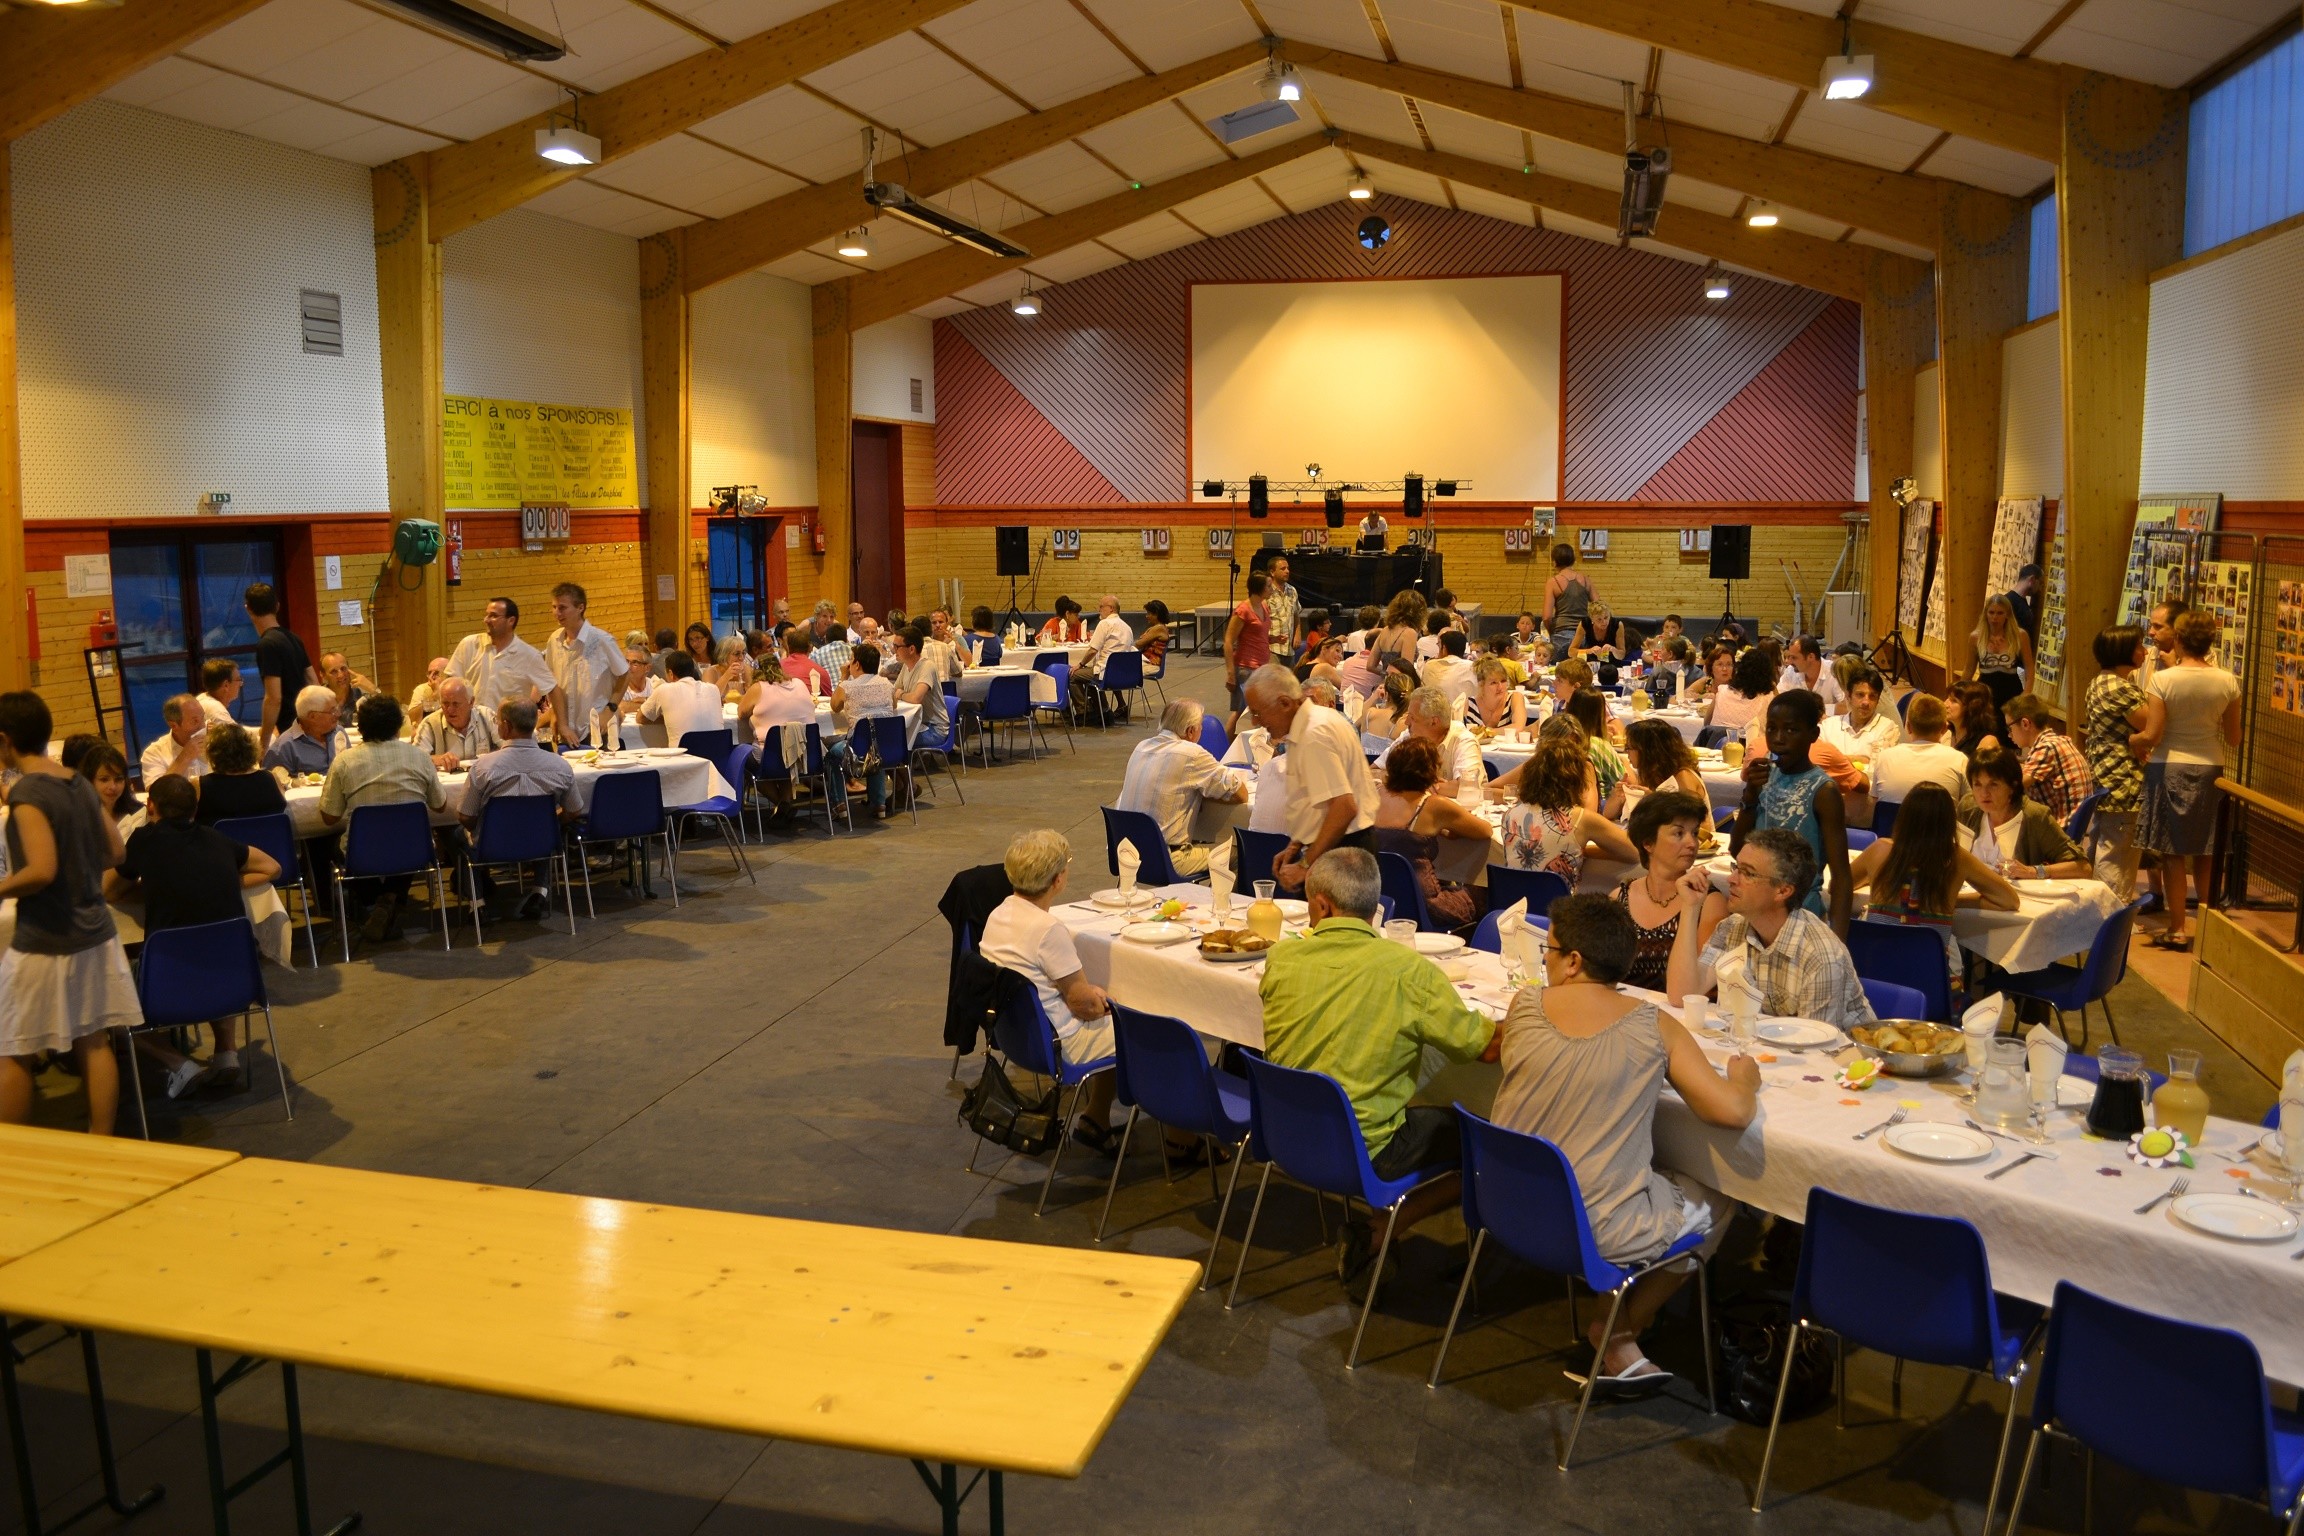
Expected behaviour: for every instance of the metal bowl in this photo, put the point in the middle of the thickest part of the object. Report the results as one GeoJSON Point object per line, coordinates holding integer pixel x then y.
{"type": "Point", "coordinates": [1911, 1063]}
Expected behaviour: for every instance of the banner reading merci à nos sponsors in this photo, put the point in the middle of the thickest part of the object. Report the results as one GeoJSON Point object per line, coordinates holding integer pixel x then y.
{"type": "Point", "coordinates": [500, 454]}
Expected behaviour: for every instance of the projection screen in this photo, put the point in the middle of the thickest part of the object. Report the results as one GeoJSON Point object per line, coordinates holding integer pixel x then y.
{"type": "Point", "coordinates": [1455, 377]}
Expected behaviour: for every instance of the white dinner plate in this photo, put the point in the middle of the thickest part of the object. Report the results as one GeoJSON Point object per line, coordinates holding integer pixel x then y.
{"type": "Point", "coordinates": [1120, 901]}
{"type": "Point", "coordinates": [1293, 909]}
{"type": "Point", "coordinates": [1438, 944]}
{"type": "Point", "coordinates": [664, 752]}
{"type": "Point", "coordinates": [1932, 1142]}
{"type": "Point", "coordinates": [2053, 887]}
{"type": "Point", "coordinates": [1797, 1034]}
{"type": "Point", "coordinates": [2074, 1092]}
{"type": "Point", "coordinates": [2234, 1216]}
{"type": "Point", "coordinates": [1157, 933]}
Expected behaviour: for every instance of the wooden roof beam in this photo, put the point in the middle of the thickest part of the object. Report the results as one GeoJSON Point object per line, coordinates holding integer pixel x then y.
{"type": "Point", "coordinates": [720, 249]}
{"type": "Point", "coordinates": [57, 59]}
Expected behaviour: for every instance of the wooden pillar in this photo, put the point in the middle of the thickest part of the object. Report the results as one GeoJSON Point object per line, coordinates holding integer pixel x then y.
{"type": "Point", "coordinates": [15, 649]}
{"type": "Point", "coordinates": [664, 378]}
{"type": "Point", "coordinates": [2120, 215]}
{"type": "Point", "coordinates": [1899, 322]}
{"type": "Point", "coordinates": [835, 439]}
{"type": "Point", "coordinates": [1981, 272]}
{"type": "Point", "coordinates": [408, 327]}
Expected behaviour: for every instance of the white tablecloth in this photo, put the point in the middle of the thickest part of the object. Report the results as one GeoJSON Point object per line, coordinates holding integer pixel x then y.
{"type": "Point", "coordinates": [687, 781]}
{"type": "Point", "coordinates": [274, 935]}
{"type": "Point", "coordinates": [1026, 657]}
{"type": "Point", "coordinates": [976, 682]}
{"type": "Point", "coordinates": [1686, 721]}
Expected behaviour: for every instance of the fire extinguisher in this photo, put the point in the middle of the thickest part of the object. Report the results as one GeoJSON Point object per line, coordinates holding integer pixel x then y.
{"type": "Point", "coordinates": [103, 632]}
{"type": "Point", "coordinates": [816, 531]}
{"type": "Point", "coordinates": [455, 552]}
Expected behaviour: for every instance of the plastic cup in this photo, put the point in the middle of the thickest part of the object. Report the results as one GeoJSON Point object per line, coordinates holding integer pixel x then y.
{"type": "Point", "coordinates": [1401, 930]}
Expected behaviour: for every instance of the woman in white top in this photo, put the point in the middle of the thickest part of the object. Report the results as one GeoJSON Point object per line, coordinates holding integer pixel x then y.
{"type": "Point", "coordinates": [1745, 697]}
{"type": "Point", "coordinates": [2191, 713]}
{"type": "Point", "coordinates": [1023, 937]}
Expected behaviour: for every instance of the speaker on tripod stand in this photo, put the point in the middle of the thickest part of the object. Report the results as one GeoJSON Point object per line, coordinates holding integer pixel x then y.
{"type": "Point", "coordinates": [1012, 550]}
{"type": "Point", "coordinates": [1731, 563]}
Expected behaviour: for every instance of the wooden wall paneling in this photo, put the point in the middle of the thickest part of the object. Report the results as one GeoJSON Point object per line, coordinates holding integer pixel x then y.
{"type": "Point", "coordinates": [1981, 272]}
{"type": "Point", "coordinates": [2120, 215]}
{"type": "Point", "coordinates": [834, 345]}
{"type": "Point", "coordinates": [408, 320]}
{"type": "Point", "coordinates": [15, 651]}
{"type": "Point", "coordinates": [664, 380]}
{"type": "Point", "coordinates": [1899, 324]}
{"type": "Point", "coordinates": [919, 464]}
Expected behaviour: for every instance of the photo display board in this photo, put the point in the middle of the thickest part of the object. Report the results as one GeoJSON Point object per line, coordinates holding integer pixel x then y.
{"type": "Point", "coordinates": [2287, 663]}
{"type": "Point", "coordinates": [2160, 549]}
{"type": "Point", "coordinates": [1912, 564]}
{"type": "Point", "coordinates": [2048, 650]}
{"type": "Point", "coordinates": [2221, 589]}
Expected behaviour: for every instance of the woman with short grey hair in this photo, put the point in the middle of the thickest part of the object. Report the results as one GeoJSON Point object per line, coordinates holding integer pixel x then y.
{"type": "Point", "coordinates": [1022, 935]}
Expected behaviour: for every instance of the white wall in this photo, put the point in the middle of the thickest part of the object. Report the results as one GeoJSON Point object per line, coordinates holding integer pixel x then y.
{"type": "Point", "coordinates": [1928, 433]}
{"type": "Point", "coordinates": [752, 390]}
{"type": "Point", "coordinates": [889, 357]}
{"type": "Point", "coordinates": [537, 308]}
{"type": "Point", "coordinates": [157, 269]}
{"type": "Point", "coordinates": [2032, 411]}
{"type": "Point", "coordinates": [2224, 376]}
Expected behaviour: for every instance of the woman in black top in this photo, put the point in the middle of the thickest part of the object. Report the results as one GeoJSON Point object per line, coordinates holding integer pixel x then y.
{"type": "Point", "coordinates": [234, 785]}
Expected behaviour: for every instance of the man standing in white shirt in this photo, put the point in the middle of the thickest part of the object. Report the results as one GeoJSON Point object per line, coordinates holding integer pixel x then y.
{"type": "Point", "coordinates": [1170, 774]}
{"type": "Point", "coordinates": [1804, 668]}
{"type": "Point", "coordinates": [684, 701]}
{"type": "Point", "coordinates": [501, 667]}
{"type": "Point", "coordinates": [184, 748]}
{"type": "Point", "coordinates": [1282, 607]}
{"type": "Point", "coordinates": [1331, 795]}
{"type": "Point", "coordinates": [587, 666]}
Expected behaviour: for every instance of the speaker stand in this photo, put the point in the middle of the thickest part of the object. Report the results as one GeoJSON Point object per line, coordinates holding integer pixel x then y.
{"type": "Point", "coordinates": [1727, 603]}
{"type": "Point", "coordinates": [1015, 614]}
{"type": "Point", "coordinates": [1890, 657]}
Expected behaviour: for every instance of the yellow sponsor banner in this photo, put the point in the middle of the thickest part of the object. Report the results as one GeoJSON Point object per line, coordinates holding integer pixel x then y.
{"type": "Point", "coordinates": [500, 454]}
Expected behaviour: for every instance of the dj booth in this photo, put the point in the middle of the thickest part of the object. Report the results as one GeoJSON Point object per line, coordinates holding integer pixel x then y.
{"type": "Point", "coordinates": [1344, 582]}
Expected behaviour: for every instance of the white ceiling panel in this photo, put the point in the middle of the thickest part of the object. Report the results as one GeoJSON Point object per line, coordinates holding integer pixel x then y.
{"type": "Point", "coordinates": [939, 308]}
{"type": "Point", "coordinates": [1988, 165]}
{"type": "Point", "coordinates": [734, 19]}
{"type": "Point", "coordinates": [1475, 136]}
{"type": "Point", "coordinates": [1463, 37]}
{"type": "Point", "coordinates": [1580, 162]}
{"type": "Point", "coordinates": [1688, 192]}
{"type": "Point", "coordinates": [285, 31]}
{"type": "Point", "coordinates": [1155, 144]}
{"type": "Point", "coordinates": [586, 202]}
{"type": "Point", "coordinates": [1357, 108]}
{"type": "Point", "coordinates": [1398, 181]}
{"type": "Point", "coordinates": [208, 96]}
{"type": "Point", "coordinates": [1800, 223]}
{"type": "Point", "coordinates": [1859, 133]}
{"type": "Point", "coordinates": [925, 94]}
{"type": "Point", "coordinates": [1571, 60]}
{"type": "Point", "coordinates": [1150, 237]}
{"type": "Point", "coordinates": [1043, 50]}
{"type": "Point", "coordinates": [1312, 182]}
{"type": "Point", "coordinates": [609, 41]}
{"type": "Point", "coordinates": [343, 51]}
{"type": "Point", "coordinates": [1062, 177]}
{"type": "Point", "coordinates": [985, 205]}
{"type": "Point", "coordinates": [1074, 264]}
{"type": "Point", "coordinates": [688, 173]}
{"type": "Point", "coordinates": [893, 244]}
{"type": "Point", "coordinates": [1177, 33]}
{"type": "Point", "coordinates": [809, 268]}
{"type": "Point", "coordinates": [1331, 23]}
{"type": "Point", "coordinates": [792, 129]}
{"type": "Point", "coordinates": [1489, 205]}
{"type": "Point", "coordinates": [521, 96]}
{"type": "Point", "coordinates": [1728, 100]}
{"type": "Point", "coordinates": [151, 88]}
{"type": "Point", "coordinates": [996, 291]}
{"type": "Point", "coordinates": [1882, 242]}
{"type": "Point", "coordinates": [1561, 223]}
{"type": "Point", "coordinates": [1996, 26]}
{"type": "Point", "coordinates": [379, 142]}
{"type": "Point", "coordinates": [2164, 41]}
{"type": "Point", "coordinates": [1230, 208]}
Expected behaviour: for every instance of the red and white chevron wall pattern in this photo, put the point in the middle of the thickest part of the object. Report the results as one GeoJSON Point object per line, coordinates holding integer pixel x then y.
{"type": "Point", "coordinates": [1667, 396]}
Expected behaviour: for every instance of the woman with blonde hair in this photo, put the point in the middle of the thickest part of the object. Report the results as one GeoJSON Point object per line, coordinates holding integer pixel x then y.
{"type": "Point", "coordinates": [734, 668]}
{"type": "Point", "coordinates": [2003, 651]}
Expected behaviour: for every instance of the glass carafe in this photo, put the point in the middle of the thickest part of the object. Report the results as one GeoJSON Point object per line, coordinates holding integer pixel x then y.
{"type": "Point", "coordinates": [2117, 1111]}
{"type": "Point", "coordinates": [1264, 912]}
{"type": "Point", "coordinates": [2181, 1104]}
{"type": "Point", "coordinates": [2003, 1093]}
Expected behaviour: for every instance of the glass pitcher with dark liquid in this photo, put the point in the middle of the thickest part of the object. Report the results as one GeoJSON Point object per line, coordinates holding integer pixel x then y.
{"type": "Point", "coordinates": [2117, 1111]}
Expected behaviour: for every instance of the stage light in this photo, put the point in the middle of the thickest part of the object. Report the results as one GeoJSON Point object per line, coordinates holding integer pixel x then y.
{"type": "Point", "coordinates": [1211, 489]}
{"type": "Point", "coordinates": [1332, 505]}
{"type": "Point", "coordinates": [1715, 282]}
{"type": "Point", "coordinates": [1259, 496]}
{"type": "Point", "coordinates": [1312, 471]}
{"type": "Point", "coordinates": [1411, 495]}
{"type": "Point", "coordinates": [1360, 190]}
{"type": "Point", "coordinates": [1443, 487]}
{"type": "Point", "coordinates": [567, 146]}
{"type": "Point", "coordinates": [856, 245]}
{"type": "Point", "coordinates": [1760, 216]}
{"type": "Point", "coordinates": [1026, 303]}
{"type": "Point", "coordinates": [1848, 74]}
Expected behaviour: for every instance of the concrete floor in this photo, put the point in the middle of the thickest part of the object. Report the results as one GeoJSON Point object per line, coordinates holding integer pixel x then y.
{"type": "Point", "coordinates": [776, 1049]}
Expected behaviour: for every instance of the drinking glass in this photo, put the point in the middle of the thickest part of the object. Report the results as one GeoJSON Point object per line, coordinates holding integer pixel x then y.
{"type": "Point", "coordinates": [2003, 1097]}
{"type": "Point", "coordinates": [1743, 1015]}
{"type": "Point", "coordinates": [1401, 930]}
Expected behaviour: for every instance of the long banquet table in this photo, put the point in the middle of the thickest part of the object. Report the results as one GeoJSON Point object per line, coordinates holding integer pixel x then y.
{"type": "Point", "coordinates": [2073, 1217]}
{"type": "Point", "coordinates": [687, 781]}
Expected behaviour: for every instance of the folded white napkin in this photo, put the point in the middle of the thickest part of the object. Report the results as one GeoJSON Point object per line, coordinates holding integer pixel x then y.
{"type": "Point", "coordinates": [1522, 944]}
{"type": "Point", "coordinates": [2044, 1053]}
{"type": "Point", "coordinates": [1129, 861]}
{"type": "Point", "coordinates": [1220, 877]}
{"type": "Point", "coordinates": [1989, 1008]}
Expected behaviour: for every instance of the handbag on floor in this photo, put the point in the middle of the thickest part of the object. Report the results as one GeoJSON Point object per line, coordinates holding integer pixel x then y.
{"type": "Point", "coordinates": [1755, 1330]}
{"type": "Point", "coordinates": [996, 1111]}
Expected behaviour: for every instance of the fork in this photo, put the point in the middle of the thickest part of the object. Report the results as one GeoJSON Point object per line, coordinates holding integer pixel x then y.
{"type": "Point", "coordinates": [1894, 1119]}
{"type": "Point", "coordinates": [2183, 1182]}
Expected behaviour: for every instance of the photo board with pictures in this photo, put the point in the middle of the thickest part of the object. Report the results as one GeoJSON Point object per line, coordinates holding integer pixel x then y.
{"type": "Point", "coordinates": [2048, 649]}
{"type": "Point", "coordinates": [2015, 541]}
{"type": "Point", "coordinates": [2221, 589]}
{"type": "Point", "coordinates": [2286, 664]}
{"type": "Point", "coordinates": [2160, 549]}
{"type": "Point", "coordinates": [1912, 564]}
{"type": "Point", "coordinates": [1931, 642]}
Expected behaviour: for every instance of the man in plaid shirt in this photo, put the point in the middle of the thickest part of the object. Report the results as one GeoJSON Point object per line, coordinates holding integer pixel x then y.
{"type": "Point", "coordinates": [2055, 772]}
{"type": "Point", "coordinates": [828, 642]}
{"type": "Point", "coordinates": [1768, 942]}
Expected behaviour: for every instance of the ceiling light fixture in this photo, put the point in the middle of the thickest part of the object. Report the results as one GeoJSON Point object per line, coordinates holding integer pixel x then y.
{"type": "Point", "coordinates": [1280, 82]}
{"type": "Point", "coordinates": [856, 245]}
{"type": "Point", "coordinates": [1849, 74]}
{"type": "Point", "coordinates": [1361, 189]}
{"type": "Point", "coordinates": [567, 146]}
{"type": "Point", "coordinates": [1761, 216]}
{"type": "Point", "coordinates": [1026, 303]}
{"type": "Point", "coordinates": [1715, 282]}
{"type": "Point", "coordinates": [489, 27]}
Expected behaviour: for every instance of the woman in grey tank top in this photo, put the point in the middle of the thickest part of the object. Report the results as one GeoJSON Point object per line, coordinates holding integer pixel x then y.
{"type": "Point", "coordinates": [1583, 1065]}
{"type": "Point", "coordinates": [1567, 598]}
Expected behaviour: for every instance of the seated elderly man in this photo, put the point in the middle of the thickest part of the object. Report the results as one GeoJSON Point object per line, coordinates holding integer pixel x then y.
{"type": "Point", "coordinates": [1023, 937]}
{"type": "Point", "coordinates": [219, 689]}
{"type": "Point", "coordinates": [1431, 719]}
{"type": "Point", "coordinates": [312, 743]}
{"type": "Point", "coordinates": [1111, 635]}
{"type": "Point", "coordinates": [1170, 774]}
{"type": "Point", "coordinates": [426, 697]}
{"type": "Point", "coordinates": [1347, 1003]}
{"type": "Point", "coordinates": [181, 749]}
{"type": "Point", "coordinates": [520, 767]}
{"type": "Point", "coordinates": [459, 730]}
{"type": "Point", "coordinates": [1768, 944]}
{"type": "Point", "coordinates": [1331, 795]}
{"type": "Point", "coordinates": [381, 770]}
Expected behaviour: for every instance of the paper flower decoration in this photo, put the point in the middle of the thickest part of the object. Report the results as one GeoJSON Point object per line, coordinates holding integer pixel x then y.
{"type": "Point", "coordinates": [2157, 1148]}
{"type": "Point", "coordinates": [1858, 1075]}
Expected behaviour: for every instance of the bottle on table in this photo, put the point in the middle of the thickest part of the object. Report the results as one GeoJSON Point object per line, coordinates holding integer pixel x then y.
{"type": "Point", "coordinates": [2181, 1104]}
{"type": "Point", "coordinates": [1264, 918]}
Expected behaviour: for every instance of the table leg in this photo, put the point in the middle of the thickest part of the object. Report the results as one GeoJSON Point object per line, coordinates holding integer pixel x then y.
{"type": "Point", "coordinates": [220, 1493]}
{"type": "Point", "coordinates": [20, 1445]}
{"type": "Point", "coordinates": [944, 1487]}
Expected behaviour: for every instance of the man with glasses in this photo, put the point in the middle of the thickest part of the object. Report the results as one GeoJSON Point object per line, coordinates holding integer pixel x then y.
{"type": "Point", "coordinates": [1788, 956]}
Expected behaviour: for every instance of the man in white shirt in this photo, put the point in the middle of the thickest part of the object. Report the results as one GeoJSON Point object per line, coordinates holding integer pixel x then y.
{"type": "Point", "coordinates": [1331, 795]}
{"type": "Point", "coordinates": [684, 701]}
{"type": "Point", "coordinates": [459, 730]}
{"type": "Point", "coordinates": [587, 666]}
{"type": "Point", "coordinates": [857, 633]}
{"type": "Point", "coordinates": [184, 748]}
{"type": "Point", "coordinates": [1867, 730]}
{"type": "Point", "coordinates": [1804, 668]}
{"type": "Point", "coordinates": [501, 667]}
{"type": "Point", "coordinates": [1110, 635]}
{"type": "Point", "coordinates": [1170, 774]}
{"type": "Point", "coordinates": [219, 688]}
{"type": "Point", "coordinates": [1431, 719]}
{"type": "Point", "coordinates": [1922, 758]}
{"type": "Point", "coordinates": [1449, 671]}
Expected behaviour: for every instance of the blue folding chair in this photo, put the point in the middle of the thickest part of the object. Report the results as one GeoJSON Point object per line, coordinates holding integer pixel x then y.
{"type": "Point", "coordinates": [722, 813]}
{"type": "Point", "coordinates": [1890, 1001]}
{"type": "Point", "coordinates": [1123, 674]}
{"type": "Point", "coordinates": [1488, 938]}
{"type": "Point", "coordinates": [517, 829]}
{"type": "Point", "coordinates": [1157, 676]}
{"type": "Point", "coordinates": [276, 835]}
{"type": "Point", "coordinates": [1859, 840]}
{"type": "Point", "coordinates": [2061, 985]}
{"type": "Point", "coordinates": [1523, 1189]}
{"type": "Point", "coordinates": [1050, 660]}
{"type": "Point", "coordinates": [1253, 853]}
{"type": "Point", "coordinates": [823, 766]}
{"type": "Point", "coordinates": [381, 841]}
{"type": "Point", "coordinates": [1909, 955]}
{"type": "Point", "coordinates": [944, 743]}
{"type": "Point", "coordinates": [627, 808]}
{"type": "Point", "coordinates": [1023, 1036]}
{"type": "Point", "coordinates": [1008, 703]}
{"type": "Point", "coordinates": [1213, 736]}
{"type": "Point", "coordinates": [712, 746]}
{"type": "Point", "coordinates": [890, 746]}
{"type": "Point", "coordinates": [1143, 833]}
{"type": "Point", "coordinates": [1302, 1123]}
{"type": "Point", "coordinates": [1884, 817]}
{"type": "Point", "coordinates": [1495, 768]}
{"type": "Point", "coordinates": [768, 765]}
{"type": "Point", "coordinates": [2085, 1067]}
{"type": "Point", "coordinates": [1904, 703]}
{"type": "Point", "coordinates": [2076, 825]}
{"type": "Point", "coordinates": [1854, 1257]}
{"type": "Point", "coordinates": [1539, 887]}
{"type": "Point", "coordinates": [1397, 878]}
{"type": "Point", "coordinates": [1061, 673]}
{"type": "Point", "coordinates": [2181, 1402]}
{"type": "Point", "coordinates": [195, 975]}
{"type": "Point", "coordinates": [1164, 1072]}
{"type": "Point", "coordinates": [1711, 735]}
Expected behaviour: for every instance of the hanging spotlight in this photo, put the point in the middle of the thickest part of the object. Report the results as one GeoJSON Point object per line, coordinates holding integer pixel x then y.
{"type": "Point", "coordinates": [567, 146]}
{"type": "Point", "coordinates": [1280, 82]}
{"type": "Point", "coordinates": [856, 245]}
{"type": "Point", "coordinates": [1761, 216]}
{"type": "Point", "coordinates": [1443, 487]}
{"type": "Point", "coordinates": [1332, 507]}
{"type": "Point", "coordinates": [1291, 85]}
{"type": "Point", "coordinates": [1849, 74]}
{"type": "Point", "coordinates": [1026, 303]}
{"type": "Point", "coordinates": [1360, 189]}
{"type": "Point", "coordinates": [1715, 282]}
{"type": "Point", "coordinates": [1312, 471]}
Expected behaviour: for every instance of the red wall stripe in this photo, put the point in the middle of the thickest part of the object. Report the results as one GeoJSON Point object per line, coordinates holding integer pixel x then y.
{"type": "Point", "coordinates": [1790, 432]}
{"type": "Point", "coordinates": [999, 447]}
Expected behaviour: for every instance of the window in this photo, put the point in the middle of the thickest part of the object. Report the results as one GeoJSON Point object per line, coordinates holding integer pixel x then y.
{"type": "Point", "coordinates": [178, 597]}
{"type": "Point", "coordinates": [738, 549]}
{"type": "Point", "coordinates": [2043, 284]}
{"type": "Point", "coordinates": [2246, 167]}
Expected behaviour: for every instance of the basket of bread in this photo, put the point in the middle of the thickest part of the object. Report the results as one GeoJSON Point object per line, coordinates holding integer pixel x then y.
{"type": "Point", "coordinates": [1234, 946]}
{"type": "Point", "coordinates": [1912, 1047]}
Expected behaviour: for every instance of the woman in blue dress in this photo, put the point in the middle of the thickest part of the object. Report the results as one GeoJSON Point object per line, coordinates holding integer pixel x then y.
{"type": "Point", "coordinates": [1785, 789]}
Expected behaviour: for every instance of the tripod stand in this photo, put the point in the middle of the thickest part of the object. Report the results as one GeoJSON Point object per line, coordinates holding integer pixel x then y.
{"type": "Point", "coordinates": [1898, 659]}
{"type": "Point", "coordinates": [1015, 614]}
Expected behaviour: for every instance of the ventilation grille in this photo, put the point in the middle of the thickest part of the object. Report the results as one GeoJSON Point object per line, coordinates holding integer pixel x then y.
{"type": "Point", "coordinates": [919, 398]}
{"type": "Point", "coordinates": [323, 318]}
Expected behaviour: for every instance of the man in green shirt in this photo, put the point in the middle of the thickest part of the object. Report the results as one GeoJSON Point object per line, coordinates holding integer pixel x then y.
{"type": "Point", "coordinates": [1348, 1003]}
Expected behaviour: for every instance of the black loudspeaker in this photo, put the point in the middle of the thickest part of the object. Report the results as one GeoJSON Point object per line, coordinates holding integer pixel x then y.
{"type": "Point", "coordinates": [1014, 549]}
{"type": "Point", "coordinates": [1259, 496]}
{"type": "Point", "coordinates": [1731, 552]}
{"type": "Point", "coordinates": [1332, 507]}
{"type": "Point", "coordinates": [1412, 496]}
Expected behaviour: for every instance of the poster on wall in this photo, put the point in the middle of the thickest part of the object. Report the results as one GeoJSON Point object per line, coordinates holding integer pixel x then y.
{"type": "Point", "coordinates": [2015, 541]}
{"type": "Point", "coordinates": [2221, 589]}
{"type": "Point", "coordinates": [2287, 668]}
{"type": "Point", "coordinates": [2160, 547]}
{"type": "Point", "coordinates": [2048, 650]}
{"type": "Point", "coordinates": [502, 454]}
{"type": "Point", "coordinates": [1912, 564]}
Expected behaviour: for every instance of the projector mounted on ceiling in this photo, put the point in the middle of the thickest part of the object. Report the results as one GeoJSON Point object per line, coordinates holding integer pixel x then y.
{"type": "Point", "coordinates": [1645, 172]}
{"type": "Point", "coordinates": [897, 203]}
{"type": "Point", "coordinates": [1251, 120]}
{"type": "Point", "coordinates": [487, 26]}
